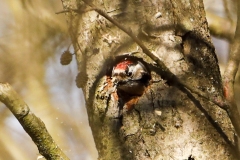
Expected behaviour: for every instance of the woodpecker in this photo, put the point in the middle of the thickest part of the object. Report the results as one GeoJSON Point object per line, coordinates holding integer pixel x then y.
{"type": "Point", "coordinates": [130, 76]}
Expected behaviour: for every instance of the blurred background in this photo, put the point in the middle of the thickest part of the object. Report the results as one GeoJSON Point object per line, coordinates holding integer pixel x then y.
{"type": "Point", "coordinates": [32, 39]}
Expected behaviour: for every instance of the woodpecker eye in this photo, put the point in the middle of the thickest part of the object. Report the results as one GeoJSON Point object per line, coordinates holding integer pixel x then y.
{"type": "Point", "coordinates": [129, 74]}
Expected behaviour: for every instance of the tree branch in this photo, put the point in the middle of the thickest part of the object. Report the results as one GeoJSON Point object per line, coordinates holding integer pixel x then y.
{"type": "Point", "coordinates": [227, 11]}
{"type": "Point", "coordinates": [216, 24]}
{"type": "Point", "coordinates": [230, 73]}
{"type": "Point", "coordinates": [32, 125]}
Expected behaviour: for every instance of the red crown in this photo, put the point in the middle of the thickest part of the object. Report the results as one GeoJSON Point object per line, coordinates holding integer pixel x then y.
{"type": "Point", "coordinates": [123, 65]}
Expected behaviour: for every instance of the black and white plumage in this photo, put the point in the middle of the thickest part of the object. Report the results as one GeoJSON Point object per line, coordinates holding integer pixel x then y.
{"type": "Point", "coordinates": [130, 76]}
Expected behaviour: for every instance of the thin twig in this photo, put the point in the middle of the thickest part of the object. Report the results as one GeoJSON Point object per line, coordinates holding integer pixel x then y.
{"type": "Point", "coordinates": [215, 25]}
{"type": "Point", "coordinates": [209, 118]}
{"type": "Point", "coordinates": [32, 125]}
{"type": "Point", "coordinates": [74, 10]}
{"type": "Point", "coordinates": [227, 11]}
{"type": "Point", "coordinates": [63, 11]}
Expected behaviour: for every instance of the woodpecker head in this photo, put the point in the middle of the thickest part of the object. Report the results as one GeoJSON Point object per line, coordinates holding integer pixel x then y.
{"type": "Point", "coordinates": [130, 76]}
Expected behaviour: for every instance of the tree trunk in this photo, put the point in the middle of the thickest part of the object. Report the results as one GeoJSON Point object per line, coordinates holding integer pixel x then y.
{"type": "Point", "coordinates": [167, 121]}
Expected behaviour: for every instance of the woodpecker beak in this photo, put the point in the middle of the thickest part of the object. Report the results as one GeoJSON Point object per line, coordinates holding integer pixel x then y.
{"type": "Point", "coordinates": [130, 77]}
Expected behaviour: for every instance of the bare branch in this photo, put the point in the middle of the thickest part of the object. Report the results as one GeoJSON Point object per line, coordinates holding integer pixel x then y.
{"type": "Point", "coordinates": [32, 125]}
{"type": "Point", "coordinates": [216, 24]}
{"type": "Point", "coordinates": [230, 73]}
{"type": "Point", "coordinates": [227, 11]}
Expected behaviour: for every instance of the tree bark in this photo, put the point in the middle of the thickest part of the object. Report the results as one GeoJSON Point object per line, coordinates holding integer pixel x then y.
{"type": "Point", "coordinates": [168, 121]}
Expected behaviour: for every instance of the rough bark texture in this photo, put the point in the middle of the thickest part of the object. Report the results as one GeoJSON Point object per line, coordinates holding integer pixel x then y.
{"type": "Point", "coordinates": [167, 122]}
